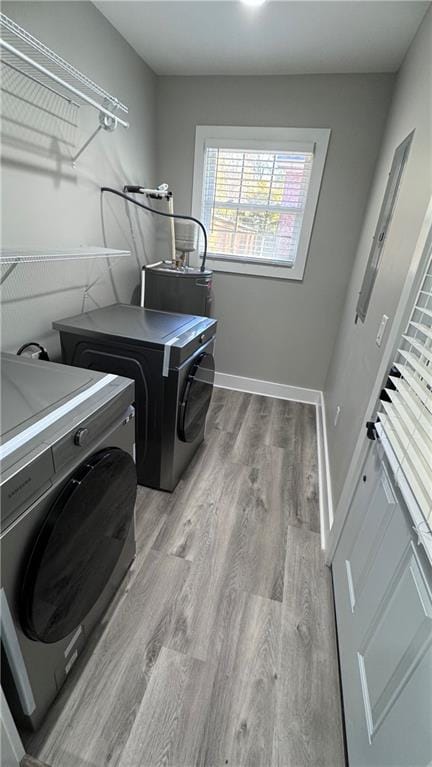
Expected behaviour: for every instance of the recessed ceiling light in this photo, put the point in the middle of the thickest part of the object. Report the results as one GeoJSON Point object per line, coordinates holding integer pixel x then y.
{"type": "Point", "coordinates": [254, 3]}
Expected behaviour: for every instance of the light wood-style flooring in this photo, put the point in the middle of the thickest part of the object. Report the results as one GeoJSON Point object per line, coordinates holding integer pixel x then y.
{"type": "Point", "coordinates": [222, 649]}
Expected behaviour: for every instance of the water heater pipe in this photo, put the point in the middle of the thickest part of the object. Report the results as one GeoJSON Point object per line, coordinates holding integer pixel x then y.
{"type": "Point", "coordinates": [160, 213]}
{"type": "Point", "coordinates": [162, 192]}
{"type": "Point", "coordinates": [173, 241]}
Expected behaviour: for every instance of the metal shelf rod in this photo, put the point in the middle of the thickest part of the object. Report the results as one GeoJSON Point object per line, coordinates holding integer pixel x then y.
{"type": "Point", "coordinates": [18, 32]}
{"type": "Point", "coordinates": [60, 81]}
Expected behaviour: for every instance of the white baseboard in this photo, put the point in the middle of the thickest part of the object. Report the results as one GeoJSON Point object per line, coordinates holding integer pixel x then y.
{"type": "Point", "coordinates": [296, 394]}
{"type": "Point", "coordinates": [267, 388]}
{"type": "Point", "coordinates": [325, 485]}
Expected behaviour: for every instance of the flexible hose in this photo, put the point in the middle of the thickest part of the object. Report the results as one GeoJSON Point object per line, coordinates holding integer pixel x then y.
{"type": "Point", "coordinates": [165, 215]}
{"type": "Point", "coordinates": [43, 354]}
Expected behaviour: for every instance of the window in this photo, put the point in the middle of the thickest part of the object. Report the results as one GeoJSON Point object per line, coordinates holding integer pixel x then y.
{"type": "Point", "coordinates": [256, 190]}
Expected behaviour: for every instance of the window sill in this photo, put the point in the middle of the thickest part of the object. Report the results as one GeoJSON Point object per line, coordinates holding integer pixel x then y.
{"type": "Point", "coordinates": [256, 270]}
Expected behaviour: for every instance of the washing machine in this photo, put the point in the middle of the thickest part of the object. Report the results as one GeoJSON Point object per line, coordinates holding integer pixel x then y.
{"type": "Point", "coordinates": [68, 489]}
{"type": "Point", "coordinates": [170, 358]}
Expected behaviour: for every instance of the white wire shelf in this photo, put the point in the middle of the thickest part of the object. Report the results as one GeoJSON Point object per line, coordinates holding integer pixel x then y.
{"type": "Point", "coordinates": [23, 53]}
{"type": "Point", "coordinates": [21, 256]}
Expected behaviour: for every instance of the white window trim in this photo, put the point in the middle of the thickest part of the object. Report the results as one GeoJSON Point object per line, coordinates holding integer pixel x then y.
{"type": "Point", "coordinates": [269, 138]}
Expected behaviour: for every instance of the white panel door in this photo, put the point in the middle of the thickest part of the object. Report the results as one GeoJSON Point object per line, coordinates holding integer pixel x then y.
{"type": "Point", "coordinates": [383, 596]}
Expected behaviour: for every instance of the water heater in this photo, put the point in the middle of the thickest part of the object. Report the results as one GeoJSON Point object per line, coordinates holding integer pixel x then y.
{"type": "Point", "coordinates": [173, 285]}
{"type": "Point", "coordinates": [187, 290]}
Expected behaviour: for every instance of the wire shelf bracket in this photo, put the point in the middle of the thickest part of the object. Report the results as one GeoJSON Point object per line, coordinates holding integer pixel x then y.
{"type": "Point", "coordinates": [26, 54]}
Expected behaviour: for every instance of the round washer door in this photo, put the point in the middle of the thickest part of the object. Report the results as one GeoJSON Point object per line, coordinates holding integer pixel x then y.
{"type": "Point", "coordinates": [196, 397]}
{"type": "Point", "coordinates": [78, 546]}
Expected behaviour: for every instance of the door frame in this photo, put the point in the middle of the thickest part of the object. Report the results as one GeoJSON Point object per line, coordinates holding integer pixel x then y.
{"type": "Point", "coordinates": [409, 291]}
{"type": "Point", "coordinates": [10, 739]}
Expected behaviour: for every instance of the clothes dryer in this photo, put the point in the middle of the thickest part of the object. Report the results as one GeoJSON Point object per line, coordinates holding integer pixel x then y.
{"type": "Point", "coordinates": [170, 358]}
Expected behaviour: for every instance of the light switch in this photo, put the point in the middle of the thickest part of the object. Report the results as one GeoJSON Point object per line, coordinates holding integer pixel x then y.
{"type": "Point", "coordinates": [381, 330]}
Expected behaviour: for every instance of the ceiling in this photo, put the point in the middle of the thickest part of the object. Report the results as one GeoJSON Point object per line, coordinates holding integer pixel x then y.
{"type": "Point", "coordinates": [224, 37]}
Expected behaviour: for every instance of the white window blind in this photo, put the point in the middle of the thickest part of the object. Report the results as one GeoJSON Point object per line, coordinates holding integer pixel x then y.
{"type": "Point", "coordinates": [253, 202]}
{"type": "Point", "coordinates": [407, 418]}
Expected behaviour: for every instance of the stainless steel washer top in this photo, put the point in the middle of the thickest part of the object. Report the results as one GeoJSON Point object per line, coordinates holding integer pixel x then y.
{"type": "Point", "coordinates": [43, 404]}
{"type": "Point", "coordinates": [29, 390]}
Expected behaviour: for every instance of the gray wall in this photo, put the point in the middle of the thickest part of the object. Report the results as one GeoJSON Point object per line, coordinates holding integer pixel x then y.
{"type": "Point", "coordinates": [45, 201]}
{"type": "Point", "coordinates": [356, 357]}
{"type": "Point", "coordinates": [269, 329]}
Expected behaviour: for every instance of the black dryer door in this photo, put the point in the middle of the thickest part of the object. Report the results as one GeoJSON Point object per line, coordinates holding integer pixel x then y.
{"type": "Point", "coordinates": [196, 397]}
{"type": "Point", "coordinates": [78, 545]}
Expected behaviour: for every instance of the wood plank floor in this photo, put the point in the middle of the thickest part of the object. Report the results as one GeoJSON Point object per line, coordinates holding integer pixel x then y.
{"type": "Point", "coordinates": [221, 649]}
